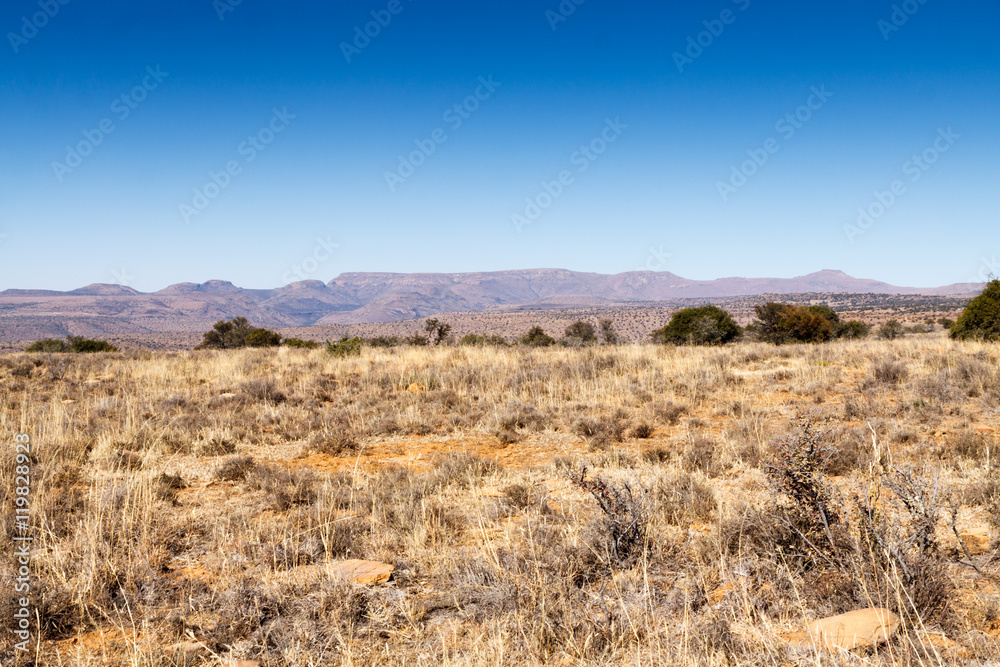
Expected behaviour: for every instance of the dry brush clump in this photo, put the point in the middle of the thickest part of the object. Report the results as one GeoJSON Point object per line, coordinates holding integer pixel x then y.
{"type": "Point", "coordinates": [204, 495]}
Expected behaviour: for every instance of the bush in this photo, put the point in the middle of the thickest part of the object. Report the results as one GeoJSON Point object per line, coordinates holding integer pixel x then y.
{"type": "Point", "coordinates": [981, 318]}
{"type": "Point", "coordinates": [385, 341]}
{"type": "Point", "coordinates": [608, 333]}
{"type": "Point", "coordinates": [345, 347]}
{"type": "Point", "coordinates": [852, 329]}
{"type": "Point", "coordinates": [300, 343]}
{"type": "Point", "coordinates": [438, 330]}
{"type": "Point", "coordinates": [536, 337]}
{"type": "Point", "coordinates": [706, 325]}
{"type": "Point", "coordinates": [237, 333]}
{"type": "Point", "coordinates": [780, 323]}
{"type": "Point", "coordinates": [579, 333]}
{"type": "Point", "coordinates": [482, 341]}
{"type": "Point", "coordinates": [891, 330]}
{"type": "Point", "coordinates": [47, 345]}
{"type": "Point", "coordinates": [71, 344]}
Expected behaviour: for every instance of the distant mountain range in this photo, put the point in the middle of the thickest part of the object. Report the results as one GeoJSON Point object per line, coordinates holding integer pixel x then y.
{"type": "Point", "coordinates": [355, 298]}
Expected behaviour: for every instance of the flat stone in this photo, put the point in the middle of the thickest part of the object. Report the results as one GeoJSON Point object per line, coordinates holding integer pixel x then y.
{"type": "Point", "coordinates": [976, 540]}
{"type": "Point", "coordinates": [364, 572]}
{"type": "Point", "coordinates": [863, 627]}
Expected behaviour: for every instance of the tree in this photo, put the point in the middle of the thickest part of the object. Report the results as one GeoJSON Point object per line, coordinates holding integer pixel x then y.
{"type": "Point", "coordinates": [608, 333]}
{"type": "Point", "coordinates": [891, 330]}
{"type": "Point", "coordinates": [236, 333]}
{"type": "Point", "coordinates": [704, 325]}
{"type": "Point", "coordinates": [946, 323]}
{"type": "Point", "coordinates": [580, 333]}
{"type": "Point", "coordinates": [437, 330]}
{"type": "Point", "coordinates": [981, 318]}
{"type": "Point", "coordinates": [536, 337]}
{"type": "Point", "coordinates": [780, 323]}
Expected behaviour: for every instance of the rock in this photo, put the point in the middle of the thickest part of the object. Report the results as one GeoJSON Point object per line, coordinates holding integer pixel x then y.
{"type": "Point", "coordinates": [976, 540]}
{"type": "Point", "coordinates": [864, 627]}
{"type": "Point", "coordinates": [365, 572]}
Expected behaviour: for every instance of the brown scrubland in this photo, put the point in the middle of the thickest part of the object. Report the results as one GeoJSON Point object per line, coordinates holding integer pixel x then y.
{"type": "Point", "coordinates": [630, 504]}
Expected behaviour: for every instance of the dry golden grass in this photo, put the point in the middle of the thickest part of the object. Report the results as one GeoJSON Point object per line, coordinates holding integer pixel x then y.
{"type": "Point", "coordinates": [202, 496]}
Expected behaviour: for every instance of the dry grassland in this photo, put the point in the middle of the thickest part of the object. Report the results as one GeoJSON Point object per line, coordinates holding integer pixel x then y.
{"type": "Point", "coordinates": [205, 497]}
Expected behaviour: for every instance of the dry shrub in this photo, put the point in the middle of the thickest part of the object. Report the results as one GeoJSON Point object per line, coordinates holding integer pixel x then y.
{"type": "Point", "coordinates": [285, 487]}
{"type": "Point", "coordinates": [600, 434]}
{"type": "Point", "coordinates": [262, 390]}
{"type": "Point", "coordinates": [515, 420]}
{"type": "Point", "coordinates": [970, 445]}
{"type": "Point", "coordinates": [888, 372]}
{"type": "Point", "coordinates": [624, 522]}
{"type": "Point", "coordinates": [332, 444]}
{"type": "Point", "coordinates": [235, 468]}
{"type": "Point", "coordinates": [669, 412]}
{"type": "Point", "coordinates": [642, 431]}
{"type": "Point", "coordinates": [682, 499]}
{"type": "Point", "coordinates": [700, 455]}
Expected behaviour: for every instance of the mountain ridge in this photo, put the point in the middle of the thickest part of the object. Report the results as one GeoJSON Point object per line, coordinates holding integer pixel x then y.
{"type": "Point", "coordinates": [378, 297]}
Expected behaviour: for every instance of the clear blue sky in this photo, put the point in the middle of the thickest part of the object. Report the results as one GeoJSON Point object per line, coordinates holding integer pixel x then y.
{"type": "Point", "coordinates": [676, 135]}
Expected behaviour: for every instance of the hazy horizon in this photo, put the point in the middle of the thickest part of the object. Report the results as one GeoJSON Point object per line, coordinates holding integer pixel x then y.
{"type": "Point", "coordinates": [229, 140]}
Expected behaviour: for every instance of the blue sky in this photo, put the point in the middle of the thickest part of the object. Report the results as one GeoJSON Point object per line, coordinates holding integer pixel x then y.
{"type": "Point", "coordinates": [644, 140]}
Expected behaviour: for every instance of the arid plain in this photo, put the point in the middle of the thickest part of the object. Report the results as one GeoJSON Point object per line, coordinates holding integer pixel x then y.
{"type": "Point", "coordinates": [631, 504]}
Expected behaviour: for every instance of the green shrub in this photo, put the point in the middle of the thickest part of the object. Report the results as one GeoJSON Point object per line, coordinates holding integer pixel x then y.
{"type": "Point", "coordinates": [891, 330]}
{"type": "Point", "coordinates": [77, 344]}
{"type": "Point", "coordinates": [780, 323]}
{"type": "Point", "coordinates": [384, 341]}
{"type": "Point", "coordinates": [300, 343]}
{"type": "Point", "coordinates": [579, 333]}
{"type": "Point", "coordinates": [345, 347]}
{"type": "Point", "coordinates": [478, 340]}
{"type": "Point", "coordinates": [536, 337]}
{"type": "Point", "coordinates": [852, 329]}
{"type": "Point", "coordinates": [236, 333]}
{"type": "Point", "coordinates": [47, 345]}
{"type": "Point", "coordinates": [705, 325]}
{"type": "Point", "coordinates": [981, 318]}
